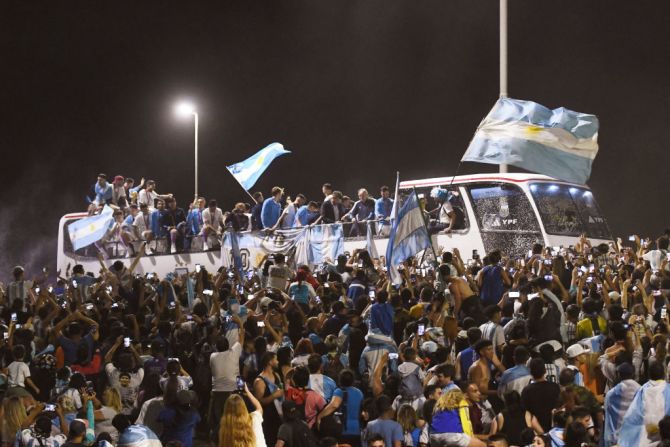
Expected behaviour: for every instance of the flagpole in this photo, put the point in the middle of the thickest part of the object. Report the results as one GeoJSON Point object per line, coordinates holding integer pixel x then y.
{"type": "Point", "coordinates": [248, 193]}
{"type": "Point", "coordinates": [503, 60]}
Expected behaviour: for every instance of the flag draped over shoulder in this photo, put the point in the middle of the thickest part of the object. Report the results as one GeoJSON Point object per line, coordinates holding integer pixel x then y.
{"type": "Point", "coordinates": [248, 171]}
{"type": "Point", "coordinates": [408, 235]}
{"type": "Point", "coordinates": [559, 143]}
{"type": "Point", "coordinates": [91, 229]}
{"type": "Point", "coordinates": [640, 424]}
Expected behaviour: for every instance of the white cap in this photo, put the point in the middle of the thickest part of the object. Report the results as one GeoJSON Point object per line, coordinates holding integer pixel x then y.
{"type": "Point", "coordinates": [614, 295]}
{"type": "Point", "coordinates": [576, 350]}
{"type": "Point", "coordinates": [429, 347]}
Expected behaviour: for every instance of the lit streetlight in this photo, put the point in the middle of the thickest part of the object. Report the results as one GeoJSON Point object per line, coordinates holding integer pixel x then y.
{"type": "Point", "coordinates": [185, 109]}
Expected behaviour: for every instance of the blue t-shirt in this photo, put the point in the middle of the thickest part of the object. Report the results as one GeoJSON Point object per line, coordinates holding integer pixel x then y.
{"type": "Point", "coordinates": [299, 292]}
{"type": "Point", "coordinates": [353, 404]}
{"type": "Point", "coordinates": [178, 427]}
{"type": "Point", "coordinates": [389, 429]}
{"type": "Point", "coordinates": [70, 347]}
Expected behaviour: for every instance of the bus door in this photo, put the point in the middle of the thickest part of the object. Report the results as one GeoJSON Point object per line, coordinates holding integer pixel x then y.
{"type": "Point", "coordinates": [506, 218]}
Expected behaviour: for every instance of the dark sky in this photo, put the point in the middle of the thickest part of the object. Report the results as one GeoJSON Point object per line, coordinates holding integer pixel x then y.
{"type": "Point", "coordinates": [356, 89]}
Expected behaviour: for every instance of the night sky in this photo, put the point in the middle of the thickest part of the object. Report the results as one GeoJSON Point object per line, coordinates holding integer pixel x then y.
{"type": "Point", "coordinates": [356, 89]}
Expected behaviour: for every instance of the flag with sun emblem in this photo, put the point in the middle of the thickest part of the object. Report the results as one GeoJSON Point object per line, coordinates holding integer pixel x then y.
{"type": "Point", "coordinates": [559, 143]}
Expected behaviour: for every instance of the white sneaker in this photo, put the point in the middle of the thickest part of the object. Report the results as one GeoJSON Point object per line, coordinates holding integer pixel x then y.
{"type": "Point", "coordinates": [173, 249]}
{"type": "Point", "coordinates": [204, 246]}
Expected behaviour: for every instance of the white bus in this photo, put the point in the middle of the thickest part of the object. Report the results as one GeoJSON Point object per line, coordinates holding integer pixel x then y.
{"type": "Point", "coordinates": [501, 211]}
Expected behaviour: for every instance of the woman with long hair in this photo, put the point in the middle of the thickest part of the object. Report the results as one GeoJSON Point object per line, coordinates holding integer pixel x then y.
{"type": "Point", "coordinates": [512, 419]}
{"type": "Point", "coordinates": [105, 411]}
{"type": "Point", "coordinates": [408, 421]}
{"type": "Point", "coordinates": [451, 422]}
{"type": "Point", "coordinates": [14, 418]}
{"type": "Point", "coordinates": [238, 427]}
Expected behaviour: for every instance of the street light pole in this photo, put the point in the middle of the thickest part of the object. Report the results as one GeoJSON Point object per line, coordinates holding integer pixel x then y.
{"type": "Point", "coordinates": [195, 115]}
{"type": "Point", "coordinates": [503, 59]}
{"type": "Point", "coordinates": [185, 109]}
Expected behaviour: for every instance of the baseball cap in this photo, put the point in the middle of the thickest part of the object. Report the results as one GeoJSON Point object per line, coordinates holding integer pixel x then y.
{"type": "Point", "coordinates": [556, 346]}
{"type": "Point", "coordinates": [429, 347]}
{"type": "Point", "coordinates": [576, 350]}
{"type": "Point", "coordinates": [614, 295]}
{"type": "Point", "coordinates": [265, 301]}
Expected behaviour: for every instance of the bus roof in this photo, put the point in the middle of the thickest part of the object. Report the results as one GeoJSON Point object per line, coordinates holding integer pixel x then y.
{"type": "Point", "coordinates": [493, 177]}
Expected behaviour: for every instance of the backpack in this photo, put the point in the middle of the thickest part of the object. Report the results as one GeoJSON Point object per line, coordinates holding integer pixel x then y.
{"type": "Point", "coordinates": [411, 386]}
{"type": "Point", "coordinates": [302, 435]}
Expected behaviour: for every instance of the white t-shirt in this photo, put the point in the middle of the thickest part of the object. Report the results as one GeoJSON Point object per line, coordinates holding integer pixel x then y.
{"type": "Point", "coordinates": [257, 426]}
{"type": "Point", "coordinates": [17, 374]}
{"type": "Point", "coordinates": [142, 222]}
{"type": "Point", "coordinates": [655, 258]}
{"type": "Point", "coordinates": [214, 220]}
{"type": "Point", "coordinates": [128, 393]}
{"type": "Point", "coordinates": [147, 197]}
{"type": "Point", "coordinates": [225, 368]}
{"type": "Point", "coordinates": [445, 210]}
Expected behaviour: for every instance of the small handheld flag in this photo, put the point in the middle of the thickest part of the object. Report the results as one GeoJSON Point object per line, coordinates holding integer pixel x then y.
{"type": "Point", "coordinates": [248, 171]}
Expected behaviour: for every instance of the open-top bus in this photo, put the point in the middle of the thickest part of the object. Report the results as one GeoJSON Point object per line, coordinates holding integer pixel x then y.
{"type": "Point", "coordinates": [502, 211]}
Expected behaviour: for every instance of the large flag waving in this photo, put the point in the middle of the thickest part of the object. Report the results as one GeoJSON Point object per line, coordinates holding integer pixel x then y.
{"type": "Point", "coordinates": [559, 143]}
{"type": "Point", "coordinates": [248, 171]}
{"type": "Point", "coordinates": [91, 229]}
{"type": "Point", "coordinates": [408, 235]}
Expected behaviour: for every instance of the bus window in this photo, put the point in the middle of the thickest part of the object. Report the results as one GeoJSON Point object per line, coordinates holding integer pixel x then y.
{"type": "Point", "coordinates": [433, 207]}
{"type": "Point", "coordinates": [569, 211]}
{"type": "Point", "coordinates": [503, 208]}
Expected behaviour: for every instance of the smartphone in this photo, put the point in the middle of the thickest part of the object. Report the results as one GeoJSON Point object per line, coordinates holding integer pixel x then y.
{"type": "Point", "coordinates": [50, 407]}
{"type": "Point", "coordinates": [475, 255]}
{"type": "Point", "coordinates": [631, 238]}
{"type": "Point", "coordinates": [667, 256]}
{"type": "Point", "coordinates": [44, 269]}
{"type": "Point", "coordinates": [261, 324]}
{"type": "Point", "coordinates": [197, 268]}
{"type": "Point", "coordinates": [172, 305]}
{"type": "Point", "coordinates": [89, 306]}
{"type": "Point", "coordinates": [151, 275]}
{"type": "Point", "coordinates": [14, 316]}
{"type": "Point", "coordinates": [514, 294]}
{"type": "Point", "coordinates": [583, 269]}
{"type": "Point", "coordinates": [326, 286]}
{"type": "Point", "coordinates": [240, 289]}
{"type": "Point", "coordinates": [393, 355]}
{"type": "Point", "coordinates": [126, 342]}
{"type": "Point", "coordinates": [317, 300]}
{"type": "Point", "coordinates": [421, 329]}
{"type": "Point", "coordinates": [592, 268]}
{"type": "Point", "coordinates": [240, 383]}
{"type": "Point", "coordinates": [635, 288]}
{"type": "Point", "coordinates": [189, 317]}
{"type": "Point", "coordinates": [626, 326]}
{"type": "Point", "coordinates": [37, 290]}
{"type": "Point", "coordinates": [656, 293]}
{"type": "Point", "coordinates": [109, 289]}
{"type": "Point", "coordinates": [580, 274]}
{"type": "Point", "coordinates": [74, 283]}
{"type": "Point", "coordinates": [115, 306]}
{"type": "Point", "coordinates": [664, 312]}
{"type": "Point", "coordinates": [181, 271]}
{"type": "Point", "coordinates": [548, 278]}
{"type": "Point", "coordinates": [371, 293]}
{"type": "Point", "coordinates": [589, 279]}
{"type": "Point", "coordinates": [532, 296]}
{"type": "Point", "coordinates": [208, 292]}
{"type": "Point", "coordinates": [50, 289]}
{"type": "Point", "coordinates": [231, 274]}
{"type": "Point", "coordinates": [250, 274]}
{"type": "Point", "coordinates": [18, 326]}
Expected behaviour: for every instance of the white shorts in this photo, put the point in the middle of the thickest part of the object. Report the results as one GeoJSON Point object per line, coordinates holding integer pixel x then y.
{"type": "Point", "coordinates": [449, 439]}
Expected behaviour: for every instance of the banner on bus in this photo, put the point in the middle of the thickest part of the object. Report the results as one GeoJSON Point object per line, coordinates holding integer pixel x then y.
{"type": "Point", "coordinates": [306, 246]}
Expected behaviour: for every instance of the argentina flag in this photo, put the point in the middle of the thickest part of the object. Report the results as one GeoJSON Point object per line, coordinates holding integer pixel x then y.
{"type": "Point", "coordinates": [248, 171]}
{"type": "Point", "coordinates": [640, 424]}
{"type": "Point", "coordinates": [408, 235]}
{"type": "Point", "coordinates": [325, 241]}
{"type": "Point", "coordinates": [559, 143]}
{"type": "Point", "coordinates": [91, 229]}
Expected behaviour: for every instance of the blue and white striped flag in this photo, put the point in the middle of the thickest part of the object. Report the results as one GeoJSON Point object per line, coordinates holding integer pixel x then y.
{"type": "Point", "coordinates": [248, 171]}
{"type": "Point", "coordinates": [408, 234]}
{"type": "Point", "coordinates": [559, 143]}
{"type": "Point", "coordinates": [325, 241]}
{"type": "Point", "coordinates": [91, 229]}
{"type": "Point", "coordinates": [370, 243]}
{"type": "Point", "coordinates": [617, 402]}
{"type": "Point", "coordinates": [640, 425]}
{"type": "Point", "coordinates": [392, 270]}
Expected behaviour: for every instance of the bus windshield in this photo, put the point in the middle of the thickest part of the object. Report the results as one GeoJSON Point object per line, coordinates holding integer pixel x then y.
{"type": "Point", "coordinates": [569, 210]}
{"type": "Point", "coordinates": [503, 208]}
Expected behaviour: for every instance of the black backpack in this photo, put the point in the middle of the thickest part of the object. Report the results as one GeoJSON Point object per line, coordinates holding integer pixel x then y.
{"type": "Point", "coordinates": [302, 435]}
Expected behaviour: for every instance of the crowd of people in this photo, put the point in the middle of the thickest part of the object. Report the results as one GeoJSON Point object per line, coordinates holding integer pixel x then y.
{"type": "Point", "coordinates": [565, 346]}
{"type": "Point", "coordinates": [141, 214]}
